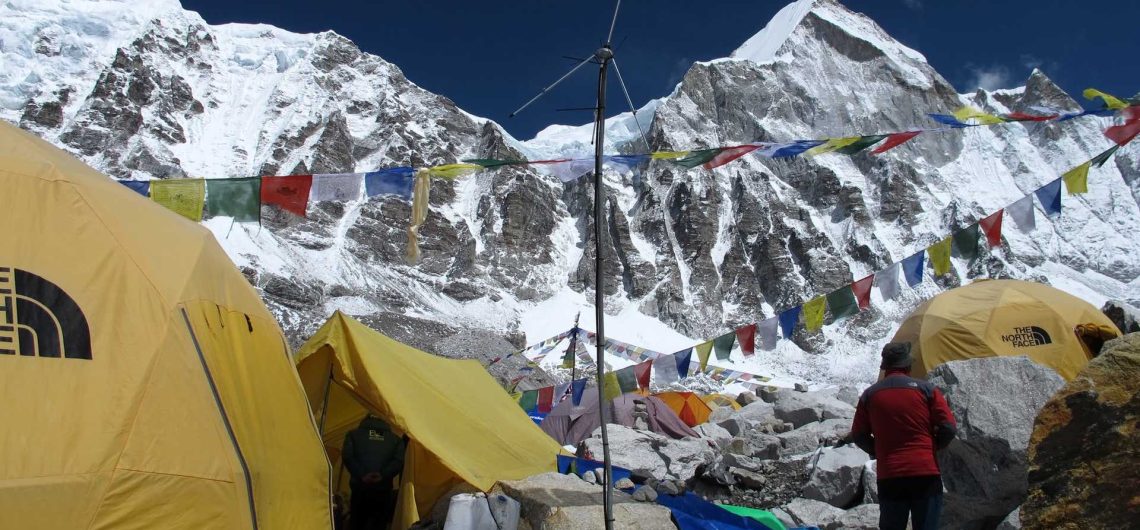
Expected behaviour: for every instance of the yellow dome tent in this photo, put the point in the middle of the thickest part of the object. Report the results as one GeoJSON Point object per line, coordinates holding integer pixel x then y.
{"type": "Point", "coordinates": [461, 425]}
{"type": "Point", "coordinates": [143, 382]}
{"type": "Point", "coordinates": [689, 407]}
{"type": "Point", "coordinates": [1002, 317]}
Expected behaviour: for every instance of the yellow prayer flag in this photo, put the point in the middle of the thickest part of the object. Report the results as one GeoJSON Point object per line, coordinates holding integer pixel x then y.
{"type": "Point", "coordinates": [967, 113]}
{"type": "Point", "coordinates": [421, 192]}
{"type": "Point", "coordinates": [450, 171]}
{"type": "Point", "coordinates": [703, 351]}
{"type": "Point", "coordinates": [1077, 179]}
{"type": "Point", "coordinates": [813, 313]}
{"type": "Point", "coordinates": [940, 256]}
{"type": "Point", "coordinates": [1110, 101]}
{"type": "Point", "coordinates": [610, 386]}
{"type": "Point", "coordinates": [666, 155]}
{"type": "Point", "coordinates": [184, 197]}
{"type": "Point", "coordinates": [832, 144]}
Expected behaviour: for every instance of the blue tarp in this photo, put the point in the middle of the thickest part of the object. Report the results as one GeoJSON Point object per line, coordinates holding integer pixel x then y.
{"type": "Point", "coordinates": [570, 464]}
{"type": "Point", "coordinates": [691, 512]}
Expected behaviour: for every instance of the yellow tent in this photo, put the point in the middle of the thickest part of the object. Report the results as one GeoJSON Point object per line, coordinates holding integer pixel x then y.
{"type": "Point", "coordinates": [720, 400]}
{"type": "Point", "coordinates": [461, 425]}
{"type": "Point", "coordinates": [143, 383]}
{"type": "Point", "coordinates": [689, 407]}
{"type": "Point", "coordinates": [1002, 317]}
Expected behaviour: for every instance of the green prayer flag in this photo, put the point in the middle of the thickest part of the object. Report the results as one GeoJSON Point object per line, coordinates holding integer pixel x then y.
{"type": "Point", "coordinates": [813, 313]}
{"type": "Point", "coordinates": [529, 400]}
{"type": "Point", "coordinates": [1100, 159]}
{"type": "Point", "coordinates": [940, 256]}
{"type": "Point", "coordinates": [696, 158]}
{"type": "Point", "coordinates": [181, 196]}
{"type": "Point", "coordinates": [703, 351]}
{"type": "Point", "coordinates": [860, 144]}
{"type": "Point", "coordinates": [627, 379]}
{"type": "Point", "coordinates": [842, 302]}
{"type": "Point", "coordinates": [237, 198]}
{"type": "Point", "coordinates": [611, 388]}
{"type": "Point", "coordinates": [723, 345]}
{"type": "Point", "coordinates": [966, 241]}
{"type": "Point", "coordinates": [492, 162]}
{"type": "Point", "coordinates": [1076, 179]}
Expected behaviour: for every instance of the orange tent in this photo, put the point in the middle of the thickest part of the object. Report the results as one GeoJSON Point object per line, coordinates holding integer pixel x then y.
{"type": "Point", "coordinates": [688, 406]}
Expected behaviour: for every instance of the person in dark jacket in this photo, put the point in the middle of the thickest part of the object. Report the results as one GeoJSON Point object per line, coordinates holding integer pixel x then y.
{"type": "Point", "coordinates": [374, 457]}
{"type": "Point", "coordinates": [901, 421]}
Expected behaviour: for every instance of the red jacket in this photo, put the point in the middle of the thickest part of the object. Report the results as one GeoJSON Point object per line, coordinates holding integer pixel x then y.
{"type": "Point", "coordinates": [900, 420]}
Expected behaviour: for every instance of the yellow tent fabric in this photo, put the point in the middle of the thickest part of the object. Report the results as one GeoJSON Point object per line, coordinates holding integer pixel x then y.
{"type": "Point", "coordinates": [720, 400]}
{"type": "Point", "coordinates": [1001, 317]}
{"type": "Point", "coordinates": [461, 425]}
{"type": "Point", "coordinates": [689, 407]}
{"type": "Point", "coordinates": [144, 384]}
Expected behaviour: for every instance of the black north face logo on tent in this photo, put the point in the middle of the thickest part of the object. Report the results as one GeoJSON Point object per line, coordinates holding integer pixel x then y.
{"type": "Point", "coordinates": [38, 319]}
{"type": "Point", "coordinates": [1027, 337]}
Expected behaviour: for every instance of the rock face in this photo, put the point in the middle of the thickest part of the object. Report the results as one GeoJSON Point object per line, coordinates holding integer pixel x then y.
{"type": "Point", "coordinates": [802, 408]}
{"type": "Point", "coordinates": [809, 512]}
{"type": "Point", "coordinates": [1084, 450]}
{"type": "Point", "coordinates": [653, 455]}
{"type": "Point", "coordinates": [1125, 316]}
{"type": "Point", "coordinates": [994, 401]}
{"type": "Point", "coordinates": [553, 501]}
{"type": "Point", "coordinates": [836, 476]}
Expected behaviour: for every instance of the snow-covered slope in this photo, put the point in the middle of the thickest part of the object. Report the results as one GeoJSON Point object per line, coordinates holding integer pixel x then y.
{"type": "Point", "coordinates": [149, 90]}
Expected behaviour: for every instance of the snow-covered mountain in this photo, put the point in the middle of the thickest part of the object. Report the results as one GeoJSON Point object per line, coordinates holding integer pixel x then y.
{"type": "Point", "coordinates": [149, 90]}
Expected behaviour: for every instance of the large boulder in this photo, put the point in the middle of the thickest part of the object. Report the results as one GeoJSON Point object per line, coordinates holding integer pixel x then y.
{"type": "Point", "coordinates": [862, 517]}
{"type": "Point", "coordinates": [552, 501]}
{"type": "Point", "coordinates": [714, 433]}
{"type": "Point", "coordinates": [810, 512]}
{"type": "Point", "coordinates": [650, 454]}
{"type": "Point", "coordinates": [835, 475]}
{"type": "Point", "coordinates": [1085, 447]}
{"type": "Point", "coordinates": [871, 482]}
{"type": "Point", "coordinates": [810, 436]}
{"type": "Point", "coordinates": [801, 408]}
{"type": "Point", "coordinates": [994, 400]}
{"type": "Point", "coordinates": [1126, 317]}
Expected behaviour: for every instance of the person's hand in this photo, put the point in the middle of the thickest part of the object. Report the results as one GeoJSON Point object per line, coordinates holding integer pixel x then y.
{"type": "Point", "coordinates": [372, 478]}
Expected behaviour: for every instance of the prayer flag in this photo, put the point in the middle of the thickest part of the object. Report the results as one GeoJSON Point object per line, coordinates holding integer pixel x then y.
{"type": "Point", "coordinates": [832, 144]}
{"type": "Point", "coordinates": [391, 181]}
{"type": "Point", "coordinates": [842, 302]}
{"type": "Point", "coordinates": [970, 113]}
{"type": "Point", "coordinates": [723, 345]}
{"type": "Point", "coordinates": [1110, 101]}
{"type": "Point", "coordinates": [545, 399]}
{"type": "Point", "coordinates": [1021, 116]}
{"type": "Point", "coordinates": [887, 281]}
{"type": "Point", "coordinates": [894, 141]}
{"type": "Point", "coordinates": [627, 379]}
{"type": "Point", "coordinates": [529, 400]}
{"type": "Point", "coordinates": [236, 198]}
{"type": "Point", "coordinates": [336, 187]}
{"type": "Point", "coordinates": [946, 119]}
{"type": "Point", "coordinates": [912, 268]}
{"type": "Point", "coordinates": [940, 256]}
{"type": "Point", "coordinates": [992, 227]}
{"type": "Point", "coordinates": [291, 193]}
{"type": "Point", "coordinates": [665, 366]}
{"type": "Point", "coordinates": [696, 158]}
{"type": "Point", "coordinates": [684, 358]}
{"type": "Point", "coordinates": [642, 372]}
{"type": "Point", "coordinates": [863, 143]}
{"type": "Point", "coordinates": [450, 171]}
{"type": "Point", "coordinates": [813, 313]}
{"type": "Point", "coordinates": [184, 197]}
{"type": "Point", "coordinates": [668, 155]}
{"type": "Point", "coordinates": [1100, 159]}
{"type": "Point", "coordinates": [861, 290]}
{"type": "Point", "coordinates": [788, 319]}
{"type": "Point", "coordinates": [1077, 179]}
{"type": "Point", "coordinates": [571, 170]}
{"type": "Point", "coordinates": [746, 336]}
{"type": "Point", "coordinates": [703, 351]}
{"type": "Point", "coordinates": [141, 187]}
{"type": "Point", "coordinates": [769, 332]}
{"type": "Point", "coordinates": [611, 388]}
{"type": "Point", "coordinates": [966, 242]}
{"type": "Point", "coordinates": [421, 195]}
{"type": "Point", "coordinates": [577, 388]}
{"type": "Point", "coordinates": [493, 162]}
{"type": "Point", "coordinates": [625, 162]}
{"type": "Point", "coordinates": [560, 392]}
{"type": "Point", "coordinates": [1022, 214]}
{"type": "Point", "coordinates": [728, 154]}
{"type": "Point", "coordinates": [787, 149]}
{"type": "Point", "coordinates": [1126, 131]}
{"type": "Point", "coordinates": [1050, 197]}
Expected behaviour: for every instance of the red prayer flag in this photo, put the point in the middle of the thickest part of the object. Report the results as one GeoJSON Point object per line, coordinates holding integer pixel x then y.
{"type": "Point", "coordinates": [1125, 132]}
{"type": "Point", "coordinates": [746, 336]}
{"type": "Point", "coordinates": [641, 372]}
{"type": "Point", "coordinates": [728, 154]}
{"type": "Point", "coordinates": [894, 141]}
{"type": "Point", "coordinates": [290, 193]}
{"type": "Point", "coordinates": [545, 399]}
{"type": "Point", "coordinates": [1021, 116]}
{"type": "Point", "coordinates": [992, 227]}
{"type": "Point", "coordinates": [862, 290]}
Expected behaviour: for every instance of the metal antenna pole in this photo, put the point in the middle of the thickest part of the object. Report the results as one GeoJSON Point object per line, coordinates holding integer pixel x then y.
{"type": "Point", "coordinates": [552, 85]}
{"type": "Point", "coordinates": [604, 55]}
{"type": "Point", "coordinates": [630, 101]}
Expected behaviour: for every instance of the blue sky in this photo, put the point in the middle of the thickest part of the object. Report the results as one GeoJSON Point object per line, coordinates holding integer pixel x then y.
{"type": "Point", "coordinates": [492, 56]}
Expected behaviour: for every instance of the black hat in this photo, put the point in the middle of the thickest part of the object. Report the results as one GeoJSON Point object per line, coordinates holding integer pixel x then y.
{"type": "Point", "coordinates": [896, 355]}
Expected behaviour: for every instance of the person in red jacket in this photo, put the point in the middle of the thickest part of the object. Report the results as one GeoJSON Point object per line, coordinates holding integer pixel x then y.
{"type": "Point", "coordinates": [901, 421]}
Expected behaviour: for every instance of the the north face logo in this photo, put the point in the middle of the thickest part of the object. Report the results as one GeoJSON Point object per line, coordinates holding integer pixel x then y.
{"type": "Point", "coordinates": [1027, 336]}
{"type": "Point", "coordinates": [38, 319]}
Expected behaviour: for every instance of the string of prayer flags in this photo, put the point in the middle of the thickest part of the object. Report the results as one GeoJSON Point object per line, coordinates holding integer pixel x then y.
{"type": "Point", "coordinates": [965, 114]}
{"type": "Point", "coordinates": [1077, 179]}
{"type": "Point", "coordinates": [894, 141]}
{"type": "Point", "coordinates": [728, 154]}
{"type": "Point", "coordinates": [141, 187]}
{"type": "Point", "coordinates": [236, 198]}
{"type": "Point", "coordinates": [769, 333]}
{"type": "Point", "coordinates": [966, 242]}
{"type": "Point", "coordinates": [946, 119]}
{"type": "Point", "coordinates": [859, 145]}
{"type": "Point", "coordinates": [291, 193]}
{"type": "Point", "coordinates": [861, 291]}
{"type": "Point", "coordinates": [696, 158]}
{"type": "Point", "coordinates": [577, 388]}
{"type": "Point", "coordinates": [746, 336]}
{"type": "Point", "coordinates": [684, 359]}
{"type": "Point", "coordinates": [451, 171]}
{"type": "Point", "coordinates": [723, 345]}
{"type": "Point", "coordinates": [940, 256]}
{"type": "Point", "coordinates": [842, 302]}
{"type": "Point", "coordinates": [1100, 159]}
{"type": "Point", "coordinates": [991, 226]}
{"type": "Point", "coordinates": [703, 351]}
{"type": "Point", "coordinates": [1110, 101]}
{"type": "Point", "coordinates": [181, 196]}
{"type": "Point", "coordinates": [336, 187]}
{"type": "Point", "coordinates": [788, 320]}
{"type": "Point", "coordinates": [1050, 197]}
{"type": "Point", "coordinates": [787, 149]}
{"type": "Point", "coordinates": [912, 268]}
{"type": "Point", "coordinates": [813, 313]}
{"type": "Point", "coordinates": [642, 372]}
{"type": "Point", "coordinates": [1022, 214]}
{"type": "Point", "coordinates": [887, 280]}
{"type": "Point", "coordinates": [832, 144]}
{"type": "Point", "coordinates": [396, 181]}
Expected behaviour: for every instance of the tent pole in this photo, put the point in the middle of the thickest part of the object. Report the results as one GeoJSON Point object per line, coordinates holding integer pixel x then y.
{"type": "Point", "coordinates": [603, 56]}
{"type": "Point", "coordinates": [325, 402]}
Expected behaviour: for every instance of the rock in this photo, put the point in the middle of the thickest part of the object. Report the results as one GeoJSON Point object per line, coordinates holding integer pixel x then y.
{"type": "Point", "coordinates": [746, 398]}
{"type": "Point", "coordinates": [1126, 317]}
{"type": "Point", "coordinates": [652, 454]}
{"type": "Point", "coordinates": [836, 475]}
{"type": "Point", "coordinates": [599, 476]}
{"type": "Point", "coordinates": [782, 426]}
{"type": "Point", "coordinates": [757, 411]}
{"type": "Point", "coordinates": [711, 431]}
{"type": "Point", "coordinates": [720, 414]}
{"type": "Point", "coordinates": [800, 387]}
{"type": "Point", "coordinates": [1083, 450]}
{"type": "Point", "coordinates": [994, 400]}
{"type": "Point", "coordinates": [862, 517]}
{"type": "Point", "coordinates": [810, 512]}
{"type": "Point", "coordinates": [645, 494]}
{"type": "Point", "coordinates": [748, 479]}
{"type": "Point", "coordinates": [1011, 521]}
{"type": "Point", "coordinates": [767, 393]}
{"type": "Point", "coordinates": [870, 483]}
{"type": "Point", "coordinates": [671, 487]}
{"type": "Point", "coordinates": [554, 501]}
{"type": "Point", "coordinates": [848, 394]}
{"type": "Point", "coordinates": [809, 437]}
{"type": "Point", "coordinates": [624, 484]}
{"type": "Point", "coordinates": [764, 446]}
{"type": "Point", "coordinates": [801, 408]}
{"type": "Point", "coordinates": [784, 517]}
{"type": "Point", "coordinates": [734, 425]}
{"type": "Point", "coordinates": [740, 446]}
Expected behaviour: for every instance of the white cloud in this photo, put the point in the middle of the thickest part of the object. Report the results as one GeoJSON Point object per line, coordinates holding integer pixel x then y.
{"type": "Point", "coordinates": [988, 78]}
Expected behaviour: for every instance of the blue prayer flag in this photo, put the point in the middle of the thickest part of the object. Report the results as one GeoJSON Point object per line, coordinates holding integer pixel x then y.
{"type": "Point", "coordinates": [625, 162]}
{"type": "Point", "coordinates": [683, 359]}
{"type": "Point", "coordinates": [946, 119]}
{"type": "Point", "coordinates": [1050, 197]}
{"type": "Point", "coordinates": [395, 181]}
{"type": "Point", "coordinates": [788, 150]}
{"type": "Point", "coordinates": [912, 268]}
{"type": "Point", "coordinates": [142, 187]}
{"type": "Point", "coordinates": [577, 387]}
{"type": "Point", "coordinates": [788, 320]}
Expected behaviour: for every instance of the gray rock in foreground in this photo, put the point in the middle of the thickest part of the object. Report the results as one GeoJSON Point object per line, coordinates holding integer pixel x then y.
{"type": "Point", "coordinates": [651, 454]}
{"type": "Point", "coordinates": [836, 475]}
{"type": "Point", "coordinates": [553, 501]}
